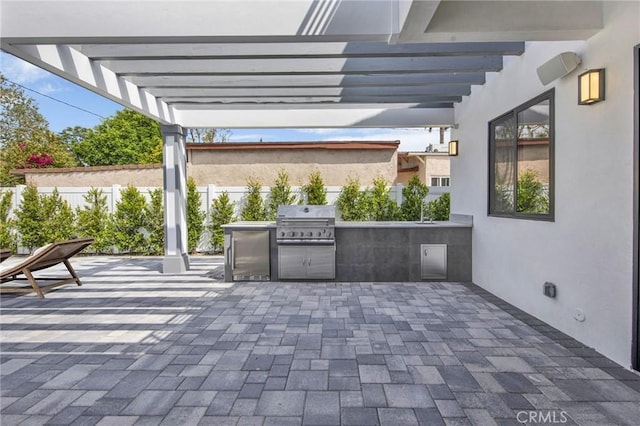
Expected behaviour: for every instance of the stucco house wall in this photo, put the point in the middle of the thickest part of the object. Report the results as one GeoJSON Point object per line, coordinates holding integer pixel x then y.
{"type": "Point", "coordinates": [217, 164]}
{"type": "Point", "coordinates": [428, 164]}
{"type": "Point", "coordinates": [231, 164]}
{"type": "Point", "coordinates": [587, 250]}
{"type": "Point", "coordinates": [135, 174]}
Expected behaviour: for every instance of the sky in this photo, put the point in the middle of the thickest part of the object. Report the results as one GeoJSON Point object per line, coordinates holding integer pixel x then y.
{"type": "Point", "coordinates": [65, 104]}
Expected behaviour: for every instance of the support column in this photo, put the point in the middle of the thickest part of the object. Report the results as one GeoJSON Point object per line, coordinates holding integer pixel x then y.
{"type": "Point", "coordinates": [176, 258]}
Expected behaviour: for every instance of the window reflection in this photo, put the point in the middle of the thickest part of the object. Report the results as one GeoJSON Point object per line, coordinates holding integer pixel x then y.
{"type": "Point", "coordinates": [533, 159]}
{"type": "Point", "coordinates": [520, 152]}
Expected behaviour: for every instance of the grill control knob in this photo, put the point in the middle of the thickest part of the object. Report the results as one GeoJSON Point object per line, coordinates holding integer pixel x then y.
{"type": "Point", "coordinates": [319, 233]}
{"type": "Point", "coordinates": [309, 234]}
{"type": "Point", "coordinates": [291, 234]}
{"type": "Point", "coordinates": [329, 234]}
{"type": "Point", "coordinates": [282, 234]}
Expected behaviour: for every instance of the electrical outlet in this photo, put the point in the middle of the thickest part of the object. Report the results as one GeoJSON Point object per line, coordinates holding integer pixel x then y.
{"type": "Point", "coordinates": [550, 290]}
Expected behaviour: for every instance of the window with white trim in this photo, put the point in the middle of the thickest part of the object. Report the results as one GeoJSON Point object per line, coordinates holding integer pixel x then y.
{"type": "Point", "coordinates": [440, 181]}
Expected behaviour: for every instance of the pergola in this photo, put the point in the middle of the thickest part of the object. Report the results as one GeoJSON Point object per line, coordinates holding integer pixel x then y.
{"type": "Point", "coordinates": [279, 63]}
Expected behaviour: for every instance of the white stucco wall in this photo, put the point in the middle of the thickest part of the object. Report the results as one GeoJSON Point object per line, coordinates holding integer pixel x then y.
{"type": "Point", "coordinates": [587, 251]}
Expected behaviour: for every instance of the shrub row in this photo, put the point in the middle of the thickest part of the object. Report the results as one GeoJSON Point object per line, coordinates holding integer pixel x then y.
{"type": "Point", "coordinates": [137, 225]}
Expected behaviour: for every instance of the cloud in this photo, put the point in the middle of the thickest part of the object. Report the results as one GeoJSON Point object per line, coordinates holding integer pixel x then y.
{"type": "Point", "coordinates": [48, 88]}
{"type": "Point", "coordinates": [410, 139]}
{"type": "Point", "coordinates": [21, 72]}
{"type": "Point", "coordinates": [319, 131]}
{"type": "Point", "coordinates": [251, 137]}
{"type": "Point", "coordinates": [29, 75]}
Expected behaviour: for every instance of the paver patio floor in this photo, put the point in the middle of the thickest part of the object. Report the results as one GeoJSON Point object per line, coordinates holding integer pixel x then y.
{"type": "Point", "coordinates": [133, 346]}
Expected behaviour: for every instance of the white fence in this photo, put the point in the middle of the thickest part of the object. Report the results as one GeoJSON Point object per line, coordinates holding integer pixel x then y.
{"type": "Point", "coordinates": [75, 197]}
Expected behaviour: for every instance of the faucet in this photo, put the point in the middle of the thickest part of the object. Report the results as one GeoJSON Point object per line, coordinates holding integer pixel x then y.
{"type": "Point", "coordinates": [422, 213]}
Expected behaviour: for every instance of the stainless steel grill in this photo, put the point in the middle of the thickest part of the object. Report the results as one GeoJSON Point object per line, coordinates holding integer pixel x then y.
{"type": "Point", "coordinates": [306, 242]}
{"type": "Point", "coordinates": [306, 225]}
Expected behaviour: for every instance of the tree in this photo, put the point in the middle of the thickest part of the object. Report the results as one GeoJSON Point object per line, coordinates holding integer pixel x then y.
{"type": "Point", "coordinates": [532, 197]}
{"type": "Point", "coordinates": [439, 208]}
{"type": "Point", "coordinates": [25, 139]}
{"type": "Point", "coordinates": [20, 119]}
{"type": "Point", "coordinates": [72, 136]}
{"type": "Point", "coordinates": [43, 219]}
{"type": "Point", "coordinates": [195, 216]}
{"type": "Point", "coordinates": [94, 220]}
{"type": "Point", "coordinates": [127, 137]}
{"type": "Point", "coordinates": [208, 135]}
{"type": "Point", "coordinates": [222, 212]}
{"type": "Point", "coordinates": [155, 221]}
{"type": "Point", "coordinates": [315, 190]}
{"type": "Point", "coordinates": [29, 219]}
{"type": "Point", "coordinates": [352, 203]}
{"type": "Point", "coordinates": [381, 206]}
{"type": "Point", "coordinates": [253, 208]}
{"type": "Point", "coordinates": [280, 194]}
{"type": "Point", "coordinates": [58, 218]}
{"type": "Point", "coordinates": [129, 221]}
{"type": "Point", "coordinates": [413, 196]}
{"type": "Point", "coordinates": [7, 236]}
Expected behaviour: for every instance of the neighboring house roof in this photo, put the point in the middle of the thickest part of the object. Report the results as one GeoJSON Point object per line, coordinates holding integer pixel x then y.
{"type": "Point", "coordinates": [22, 172]}
{"type": "Point", "coordinates": [392, 145]}
{"type": "Point", "coordinates": [413, 169]}
{"type": "Point", "coordinates": [421, 154]}
{"type": "Point", "coordinates": [338, 145]}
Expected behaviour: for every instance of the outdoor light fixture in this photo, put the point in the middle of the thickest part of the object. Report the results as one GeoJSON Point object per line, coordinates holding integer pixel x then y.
{"type": "Point", "coordinates": [453, 148]}
{"type": "Point", "coordinates": [591, 87]}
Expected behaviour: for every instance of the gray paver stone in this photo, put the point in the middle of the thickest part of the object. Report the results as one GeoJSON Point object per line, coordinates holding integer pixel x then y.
{"type": "Point", "coordinates": [281, 403]}
{"type": "Point", "coordinates": [322, 408]}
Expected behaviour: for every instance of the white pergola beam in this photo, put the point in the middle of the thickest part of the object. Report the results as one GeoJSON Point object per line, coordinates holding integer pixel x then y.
{"type": "Point", "coordinates": [292, 49]}
{"type": "Point", "coordinates": [305, 65]}
{"type": "Point", "coordinates": [444, 89]}
{"type": "Point", "coordinates": [315, 117]}
{"type": "Point", "coordinates": [74, 66]}
{"type": "Point", "coordinates": [306, 80]}
{"type": "Point", "coordinates": [526, 20]}
{"type": "Point", "coordinates": [204, 20]}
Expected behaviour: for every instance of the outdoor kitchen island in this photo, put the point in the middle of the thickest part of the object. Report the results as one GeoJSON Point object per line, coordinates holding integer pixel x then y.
{"type": "Point", "coordinates": [364, 251]}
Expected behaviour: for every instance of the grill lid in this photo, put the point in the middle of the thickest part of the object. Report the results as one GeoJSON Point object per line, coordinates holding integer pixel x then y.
{"type": "Point", "coordinates": [306, 212]}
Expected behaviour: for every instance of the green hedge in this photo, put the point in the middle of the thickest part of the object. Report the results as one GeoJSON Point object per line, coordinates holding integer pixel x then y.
{"type": "Point", "coordinates": [137, 225]}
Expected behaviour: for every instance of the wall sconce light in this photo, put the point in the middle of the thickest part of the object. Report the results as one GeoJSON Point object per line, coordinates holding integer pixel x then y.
{"type": "Point", "coordinates": [453, 148]}
{"type": "Point", "coordinates": [591, 87]}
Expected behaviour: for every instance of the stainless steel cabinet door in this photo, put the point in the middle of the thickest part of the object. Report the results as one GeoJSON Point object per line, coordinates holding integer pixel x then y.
{"type": "Point", "coordinates": [321, 262]}
{"type": "Point", "coordinates": [251, 253]}
{"type": "Point", "coordinates": [433, 261]}
{"type": "Point", "coordinates": [306, 262]}
{"type": "Point", "coordinates": [292, 262]}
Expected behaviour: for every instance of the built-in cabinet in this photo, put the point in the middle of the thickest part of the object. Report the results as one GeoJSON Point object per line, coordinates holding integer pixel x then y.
{"type": "Point", "coordinates": [306, 262]}
{"type": "Point", "coordinates": [364, 252]}
{"type": "Point", "coordinates": [433, 261]}
{"type": "Point", "coordinates": [249, 255]}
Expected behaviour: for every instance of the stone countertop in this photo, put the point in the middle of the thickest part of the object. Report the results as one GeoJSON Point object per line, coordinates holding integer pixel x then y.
{"type": "Point", "coordinates": [402, 224]}
{"type": "Point", "coordinates": [366, 224]}
{"type": "Point", "coordinates": [250, 224]}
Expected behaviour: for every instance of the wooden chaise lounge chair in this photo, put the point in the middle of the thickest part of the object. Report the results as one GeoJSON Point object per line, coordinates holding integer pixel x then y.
{"type": "Point", "coordinates": [45, 257]}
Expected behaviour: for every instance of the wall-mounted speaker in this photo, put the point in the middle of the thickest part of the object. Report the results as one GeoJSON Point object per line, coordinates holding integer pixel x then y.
{"type": "Point", "coordinates": [558, 66]}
